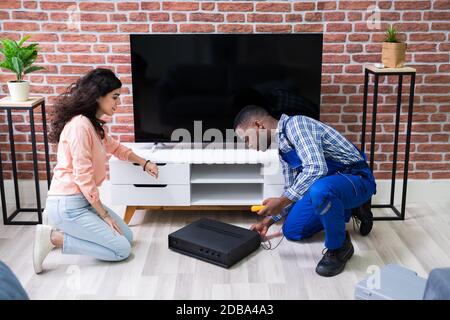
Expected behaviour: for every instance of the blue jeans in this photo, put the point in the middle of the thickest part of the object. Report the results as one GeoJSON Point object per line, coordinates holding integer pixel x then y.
{"type": "Point", "coordinates": [327, 206]}
{"type": "Point", "coordinates": [85, 233]}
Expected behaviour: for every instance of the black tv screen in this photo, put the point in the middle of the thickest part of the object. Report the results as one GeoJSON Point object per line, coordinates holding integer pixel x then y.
{"type": "Point", "coordinates": [182, 78]}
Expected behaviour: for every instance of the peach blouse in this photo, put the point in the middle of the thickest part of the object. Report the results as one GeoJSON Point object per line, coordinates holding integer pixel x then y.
{"type": "Point", "coordinates": [81, 159]}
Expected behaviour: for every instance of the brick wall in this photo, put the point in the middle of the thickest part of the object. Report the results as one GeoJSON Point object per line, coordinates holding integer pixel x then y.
{"type": "Point", "coordinates": [101, 40]}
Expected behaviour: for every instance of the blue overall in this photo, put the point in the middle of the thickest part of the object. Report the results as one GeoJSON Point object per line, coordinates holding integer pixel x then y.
{"type": "Point", "coordinates": [328, 202]}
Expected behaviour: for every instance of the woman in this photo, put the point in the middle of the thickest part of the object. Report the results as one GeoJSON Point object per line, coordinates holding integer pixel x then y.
{"type": "Point", "coordinates": [84, 225]}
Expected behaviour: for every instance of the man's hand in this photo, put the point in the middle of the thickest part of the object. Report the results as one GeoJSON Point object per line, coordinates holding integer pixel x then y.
{"type": "Point", "coordinates": [262, 227]}
{"type": "Point", "coordinates": [273, 206]}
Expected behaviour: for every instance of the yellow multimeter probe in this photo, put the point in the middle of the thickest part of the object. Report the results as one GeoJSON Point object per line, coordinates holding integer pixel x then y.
{"type": "Point", "coordinates": [256, 208]}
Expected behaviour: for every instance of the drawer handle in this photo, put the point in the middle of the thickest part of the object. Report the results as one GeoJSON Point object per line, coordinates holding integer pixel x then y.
{"type": "Point", "coordinates": [159, 164]}
{"type": "Point", "coordinates": [150, 185]}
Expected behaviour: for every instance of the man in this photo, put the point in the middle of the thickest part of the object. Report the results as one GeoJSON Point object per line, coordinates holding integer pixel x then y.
{"type": "Point", "coordinates": [326, 177]}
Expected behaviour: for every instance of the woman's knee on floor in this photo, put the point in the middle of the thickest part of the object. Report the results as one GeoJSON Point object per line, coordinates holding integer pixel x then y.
{"type": "Point", "coordinates": [122, 248]}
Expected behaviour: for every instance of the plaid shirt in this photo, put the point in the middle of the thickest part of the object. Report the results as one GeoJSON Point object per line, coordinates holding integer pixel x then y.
{"type": "Point", "coordinates": [314, 142]}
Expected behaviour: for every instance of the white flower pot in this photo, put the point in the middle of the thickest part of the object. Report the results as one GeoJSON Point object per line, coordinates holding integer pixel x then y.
{"type": "Point", "coordinates": [19, 91]}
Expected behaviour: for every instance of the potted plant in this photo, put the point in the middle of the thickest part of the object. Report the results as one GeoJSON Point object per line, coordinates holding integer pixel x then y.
{"type": "Point", "coordinates": [393, 51]}
{"type": "Point", "coordinates": [19, 59]}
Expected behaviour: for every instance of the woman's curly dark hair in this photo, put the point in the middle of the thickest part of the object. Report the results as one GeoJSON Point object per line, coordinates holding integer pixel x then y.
{"type": "Point", "coordinates": [81, 99]}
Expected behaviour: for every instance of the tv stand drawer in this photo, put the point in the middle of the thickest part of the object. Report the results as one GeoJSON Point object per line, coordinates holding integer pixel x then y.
{"type": "Point", "coordinates": [122, 172]}
{"type": "Point", "coordinates": [151, 195]}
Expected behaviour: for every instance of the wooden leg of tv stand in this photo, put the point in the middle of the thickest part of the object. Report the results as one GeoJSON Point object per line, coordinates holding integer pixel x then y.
{"type": "Point", "coordinates": [129, 212]}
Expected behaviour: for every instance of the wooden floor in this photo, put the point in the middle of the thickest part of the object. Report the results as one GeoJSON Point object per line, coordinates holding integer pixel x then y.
{"type": "Point", "coordinates": [421, 243]}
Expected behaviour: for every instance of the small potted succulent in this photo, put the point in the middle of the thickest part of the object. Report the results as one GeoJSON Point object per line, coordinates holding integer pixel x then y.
{"type": "Point", "coordinates": [19, 59]}
{"type": "Point", "coordinates": [393, 51]}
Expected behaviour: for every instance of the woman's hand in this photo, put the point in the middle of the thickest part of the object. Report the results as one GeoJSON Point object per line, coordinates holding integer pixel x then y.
{"type": "Point", "coordinates": [112, 223]}
{"type": "Point", "coordinates": [152, 169]}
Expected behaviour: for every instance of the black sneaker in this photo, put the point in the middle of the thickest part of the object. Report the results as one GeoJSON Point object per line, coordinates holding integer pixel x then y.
{"type": "Point", "coordinates": [364, 218]}
{"type": "Point", "coordinates": [333, 261]}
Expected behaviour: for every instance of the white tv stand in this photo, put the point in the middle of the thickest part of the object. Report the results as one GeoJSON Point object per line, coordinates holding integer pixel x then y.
{"type": "Point", "coordinates": [195, 179]}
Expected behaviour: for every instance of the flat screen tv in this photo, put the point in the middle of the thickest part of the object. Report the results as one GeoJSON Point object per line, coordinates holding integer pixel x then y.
{"type": "Point", "coordinates": [181, 79]}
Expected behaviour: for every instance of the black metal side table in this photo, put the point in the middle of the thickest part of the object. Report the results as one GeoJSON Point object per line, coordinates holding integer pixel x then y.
{"type": "Point", "coordinates": [29, 105]}
{"type": "Point", "coordinates": [400, 72]}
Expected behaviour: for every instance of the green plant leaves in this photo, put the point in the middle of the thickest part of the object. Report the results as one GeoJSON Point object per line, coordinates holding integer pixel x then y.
{"type": "Point", "coordinates": [18, 58]}
{"type": "Point", "coordinates": [391, 34]}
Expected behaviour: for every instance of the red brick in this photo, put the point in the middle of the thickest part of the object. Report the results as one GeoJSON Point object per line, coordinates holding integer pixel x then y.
{"type": "Point", "coordinates": [94, 59]}
{"type": "Point", "coordinates": [354, 48]}
{"type": "Point", "coordinates": [434, 37]}
{"type": "Point", "coordinates": [445, 79]}
{"type": "Point", "coordinates": [128, 6]}
{"type": "Point", "coordinates": [273, 7]}
{"type": "Point", "coordinates": [334, 37]}
{"type": "Point", "coordinates": [235, 28]}
{"type": "Point", "coordinates": [59, 16]}
{"type": "Point", "coordinates": [121, 48]}
{"type": "Point", "coordinates": [353, 69]}
{"type": "Point", "coordinates": [119, 59]}
{"type": "Point", "coordinates": [138, 16]}
{"type": "Point", "coordinates": [26, 15]}
{"type": "Point", "coordinates": [293, 17]}
{"type": "Point", "coordinates": [208, 6]}
{"type": "Point", "coordinates": [338, 27]}
{"type": "Point", "coordinates": [150, 6]}
{"type": "Point", "coordinates": [444, 26]}
{"type": "Point", "coordinates": [164, 27]}
{"type": "Point", "coordinates": [304, 6]}
{"type": "Point", "coordinates": [308, 28]}
{"type": "Point", "coordinates": [238, 7]}
{"type": "Point", "coordinates": [437, 15]}
{"type": "Point", "coordinates": [206, 17]}
{"type": "Point", "coordinates": [93, 17]}
{"type": "Point", "coordinates": [326, 5]}
{"type": "Point", "coordinates": [96, 6]}
{"type": "Point", "coordinates": [20, 26]}
{"type": "Point", "coordinates": [434, 147]}
{"type": "Point", "coordinates": [411, 26]}
{"type": "Point", "coordinates": [349, 79]}
{"type": "Point", "coordinates": [412, 16]}
{"type": "Point", "coordinates": [235, 17]}
{"type": "Point", "coordinates": [158, 16]}
{"type": "Point", "coordinates": [273, 28]}
{"type": "Point", "coordinates": [430, 57]}
{"type": "Point", "coordinates": [358, 37]}
{"type": "Point", "coordinates": [440, 137]}
{"type": "Point", "coordinates": [313, 16]}
{"type": "Point", "coordinates": [441, 4]}
{"type": "Point", "coordinates": [197, 28]}
{"type": "Point", "coordinates": [74, 48]}
{"type": "Point", "coordinates": [366, 58]}
{"type": "Point", "coordinates": [440, 175]}
{"type": "Point", "coordinates": [100, 48]}
{"type": "Point", "coordinates": [56, 5]}
{"type": "Point", "coordinates": [78, 38]}
{"type": "Point", "coordinates": [333, 48]}
{"type": "Point", "coordinates": [99, 27]}
{"type": "Point", "coordinates": [355, 5]}
{"type": "Point", "coordinates": [10, 4]}
{"type": "Point", "coordinates": [114, 38]}
{"type": "Point", "coordinates": [334, 16]}
{"type": "Point", "coordinates": [263, 17]}
{"type": "Point", "coordinates": [412, 5]}
{"type": "Point", "coordinates": [336, 58]}
{"type": "Point", "coordinates": [354, 16]}
{"type": "Point", "coordinates": [180, 6]}
{"type": "Point", "coordinates": [134, 28]}
{"type": "Point", "coordinates": [176, 17]}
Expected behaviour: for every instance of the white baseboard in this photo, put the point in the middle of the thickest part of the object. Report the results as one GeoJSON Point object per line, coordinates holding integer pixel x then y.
{"type": "Point", "coordinates": [418, 190]}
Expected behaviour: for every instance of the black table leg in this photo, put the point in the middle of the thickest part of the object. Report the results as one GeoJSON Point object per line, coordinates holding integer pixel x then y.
{"type": "Point", "coordinates": [374, 122]}
{"type": "Point", "coordinates": [364, 116]}
{"type": "Point", "coordinates": [47, 156]}
{"type": "Point", "coordinates": [408, 142]}
{"type": "Point", "coordinates": [13, 163]}
{"type": "Point", "coordinates": [397, 126]}
{"type": "Point", "coordinates": [2, 192]}
{"type": "Point", "coordinates": [35, 166]}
